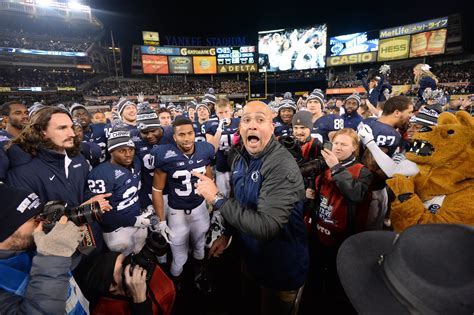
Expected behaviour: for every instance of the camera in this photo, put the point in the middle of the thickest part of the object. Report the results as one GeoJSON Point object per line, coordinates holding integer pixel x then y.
{"type": "Point", "coordinates": [155, 246]}
{"type": "Point", "coordinates": [54, 210]}
{"type": "Point", "coordinates": [308, 168]}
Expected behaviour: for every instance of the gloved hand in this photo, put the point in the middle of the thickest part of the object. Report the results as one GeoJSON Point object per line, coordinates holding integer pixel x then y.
{"type": "Point", "coordinates": [62, 240]}
{"type": "Point", "coordinates": [165, 231]}
{"type": "Point", "coordinates": [144, 219]}
{"type": "Point", "coordinates": [222, 122]}
{"type": "Point", "coordinates": [365, 133]}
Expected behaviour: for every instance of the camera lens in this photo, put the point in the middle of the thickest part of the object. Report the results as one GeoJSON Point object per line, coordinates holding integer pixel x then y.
{"type": "Point", "coordinates": [84, 214]}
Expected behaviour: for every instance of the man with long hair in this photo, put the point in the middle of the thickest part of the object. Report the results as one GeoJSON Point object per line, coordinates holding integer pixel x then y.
{"type": "Point", "coordinates": [45, 160]}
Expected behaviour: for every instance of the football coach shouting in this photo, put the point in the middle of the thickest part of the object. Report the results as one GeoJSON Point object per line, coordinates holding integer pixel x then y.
{"type": "Point", "coordinates": [266, 213]}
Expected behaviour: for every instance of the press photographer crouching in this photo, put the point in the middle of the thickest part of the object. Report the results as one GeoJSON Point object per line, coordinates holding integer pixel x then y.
{"type": "Point", "coordinates": [36, 282]}
{"type": "Point", "coordinates": [343, 197]}
{"type": "Point", "coordinates": [134, 284]}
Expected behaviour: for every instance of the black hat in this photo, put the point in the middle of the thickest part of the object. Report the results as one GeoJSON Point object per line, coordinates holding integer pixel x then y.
{"type": "Point", "coordinates": [287, 102]}
{"type": "Point", "coordinates": [427, 116]}
{"type": "Point", "coordinates": [18, 206]}
{"type": "Point", "coordinates": [95, 275]}
{"type": "Point", "coordinates": [74, 107]}
{"type": "Point", "coordinates": [146, 118]}
{"type": "Point", "coordinates": [303, 118]}
{"type": "Point", "coordinates": [122, 103]}
{"type": "Point", "coordinates": [210, 97]}
{"type": "Point", "coordinates": [119, 137]}
{"type": "Point", "coordinates": [317, 94]}
{"type": "Point", "coordinates": [427, 269]}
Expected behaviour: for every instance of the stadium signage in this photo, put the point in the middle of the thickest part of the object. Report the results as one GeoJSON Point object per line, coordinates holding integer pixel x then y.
{"type": "Point", "coordinates": [415, 28]}
{"type": "Point", "coordinates": [186, 51]}
{"type": "Point", "coordinates": [207, 41]}
{"type": "Point", "coordinates": [151, 38]}
{"type": "Point", "coordinates": [66, 88]}
{"type": "Point", "coordinates": [153, 50]}
{"type": "Point", "coordinates": [237, 68]}
{"type": "Point", "coordinates": [352, 59]}
{"type": "Point", "coordinates": [394, 48]}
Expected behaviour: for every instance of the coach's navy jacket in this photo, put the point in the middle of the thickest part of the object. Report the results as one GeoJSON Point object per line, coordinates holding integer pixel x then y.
{"type": "Point", "coordinates": [267, 212]}
{"type": "Point", "coordinates": [46, 176]}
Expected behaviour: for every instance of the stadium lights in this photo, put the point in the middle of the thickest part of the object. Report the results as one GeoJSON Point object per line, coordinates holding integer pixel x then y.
{"type": "Point", "coordinates": [43, 3]}
{"type": "Point", "coordinates": [75, 5]}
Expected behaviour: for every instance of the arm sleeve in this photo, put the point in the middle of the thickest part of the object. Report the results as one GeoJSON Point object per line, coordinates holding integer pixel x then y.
{"type": "Point", "coordinates": [143, 308]}
{"type": "Point", "coordinates": [278, 194]}
{"type": "Point", "coordinates": [47, 289]}
{"type": "Point", "coordinates": [388, 166]}
{"type": "Point", "coordinates": [353, 189]}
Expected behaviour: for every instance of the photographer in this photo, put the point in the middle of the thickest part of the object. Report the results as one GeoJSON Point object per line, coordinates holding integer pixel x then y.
{"type": "Point", "coordinates": [36, 282]}
{"type": "Point", "coordinates": [114, 284]}
{"type": "Point", "coordinates": [344, 197]}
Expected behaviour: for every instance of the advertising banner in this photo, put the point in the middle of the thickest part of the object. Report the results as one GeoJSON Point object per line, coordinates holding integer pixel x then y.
{"type": "Point", "coordinates": [151, 38]}
{"type": "Point", "coordinates": [359, 89]}
{"type": "Point", "coordinates": [415, 28]}
{"type": "Point", "coordinates": [197, 51]}
{"type": "Point", "coordinates": [428, 43]}
{"type": "Point", "coordinates": [180, 65]}
{"type": "Point", "coordinates": [153, 50]}
{"type": "Point", "coordinates": [204, 65]}
{"type": "Point", "coordinates": [5, 89]}
{"type": "Point", "coordinates": [155, 64]}
{"type": "Point", "coordinates": [237, 68]}
{"type": "Point", "coordinates": [351, 59]}
{"type": "Point", "coordinates": [394, 48]}
{"type": "Point", "coordinates": [66, 88]}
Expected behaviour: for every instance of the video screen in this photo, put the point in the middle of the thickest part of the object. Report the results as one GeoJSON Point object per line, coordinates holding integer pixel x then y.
{"type": "Point", "coordinates": [428, 43]}
{"type": "Point", "coordinates": [292, 49]}
{"type": "Point", "coordinates": [155, 64]}
{"type": "Point", "coordinates": [354, 43]}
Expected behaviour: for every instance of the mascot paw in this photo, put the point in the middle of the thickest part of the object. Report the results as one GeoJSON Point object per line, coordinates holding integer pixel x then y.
{"type": "Point", "coordinates": [401, 184]}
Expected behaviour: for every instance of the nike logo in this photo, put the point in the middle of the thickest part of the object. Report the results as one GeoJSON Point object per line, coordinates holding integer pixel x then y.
{"type": "Point", "coordinates": [51, 178]}
{"type": "Point", "coordinates": [198, 161]}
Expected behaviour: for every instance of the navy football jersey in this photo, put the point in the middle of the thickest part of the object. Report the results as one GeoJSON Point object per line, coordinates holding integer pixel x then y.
{"type": "Point", "coordinates": [384, 135]}
{"type": "Point", "coordinates": [98, 133]}
{"type": "Point", "coordinates": [281, 129]}
{"type": "Point", "coordinates": [143, 152]}
{"type": "Point", "coordinates": [92, 152]}
{"type": "Point", "coordinates": [225, 141]}
{"type": "Point", "coordinates": [124, 184]}
{"type": "Point", "coordinates": [199, 130]}
{"type": "Point", "coordinates": [5, 137]}
{"type": "Point", "coordinates": [178, 167]}
{"type": "Point", "coordinates": [324, 125]}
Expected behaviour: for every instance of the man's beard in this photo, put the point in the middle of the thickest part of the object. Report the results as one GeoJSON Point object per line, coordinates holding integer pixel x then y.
{"type": "Point", "coordinates": [22, 242]}
{"type": "Point", "coordinates": [18, 125]}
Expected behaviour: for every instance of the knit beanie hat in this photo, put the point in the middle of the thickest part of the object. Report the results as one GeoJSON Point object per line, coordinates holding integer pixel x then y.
{"type": "Point", "coordinates": [76, 106]}
{"type": "Point", "coordinates": [318, 95]}
{"type": "Point", "coordinates": [203, 105]}
{"type": "Point", "coordinates": [287, 102]}
{"type": "Point", "coordinates": [171, 106]}
{"type": "Point", "coordinates": [210, 97]}
{"type": "Point", "coordinates": [119, 137]}
{"type": "Point", "coordinates": [302, 118]}
{"type": "Point", "coordinates": [146, 117]}
{"type": "Point", "coordinates": [355, 96]}
{"type": "Point", "coordinates": [18, 206]}
{"type": "Point", "coordinates": [122, 103]}
{"type": "Point", "coordinates": [427, 116]}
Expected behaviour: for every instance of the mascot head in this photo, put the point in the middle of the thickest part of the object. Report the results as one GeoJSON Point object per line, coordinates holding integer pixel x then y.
{"type": "Point", "coordinates": [448, 144]}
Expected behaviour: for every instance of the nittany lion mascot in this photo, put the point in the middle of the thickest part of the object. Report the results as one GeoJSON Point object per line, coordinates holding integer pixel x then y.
{"type": "Point", "coordinates": [443, 190]}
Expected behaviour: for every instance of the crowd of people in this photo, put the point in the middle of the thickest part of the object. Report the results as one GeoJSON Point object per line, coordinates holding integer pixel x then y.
{"type": "Point", "coordinates": [163, 87]}
{"type": "Point", "coordinates": [45, 78]}
{"type": "Point", "coordinates": [284, 207]}
{"type": "Point", "coordinates": [43, 41]}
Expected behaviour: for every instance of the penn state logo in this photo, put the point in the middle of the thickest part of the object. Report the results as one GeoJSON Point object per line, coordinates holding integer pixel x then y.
{"type": "Point", "coordinates": [434, 208]}
{"type": "Point", "coordinates": [255, 176]}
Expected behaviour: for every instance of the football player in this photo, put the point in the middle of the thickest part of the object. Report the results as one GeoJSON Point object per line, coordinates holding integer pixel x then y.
{"type": "Point", "coordinates": [188, 217]}
{"type": "Point", "coordinates": [220, 133]}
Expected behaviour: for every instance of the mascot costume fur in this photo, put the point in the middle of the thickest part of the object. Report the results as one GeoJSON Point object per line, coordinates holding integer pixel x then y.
{"type": "Point", "coordinates": [443, 190]}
